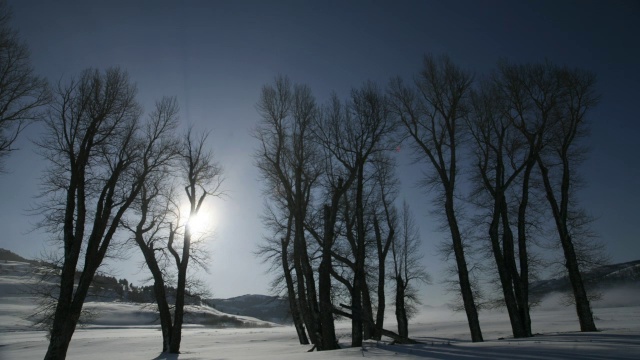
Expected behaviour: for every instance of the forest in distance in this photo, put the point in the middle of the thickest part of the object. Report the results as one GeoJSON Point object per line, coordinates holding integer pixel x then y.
{"type": "Point", "coordinates": [500, 153]}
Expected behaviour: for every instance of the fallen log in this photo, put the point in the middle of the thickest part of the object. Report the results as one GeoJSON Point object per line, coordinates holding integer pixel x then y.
{"type": "Point", "coordinates": [397, 339]}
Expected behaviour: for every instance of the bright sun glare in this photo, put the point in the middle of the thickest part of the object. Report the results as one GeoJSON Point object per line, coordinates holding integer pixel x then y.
{"type": "Point", "coordinates": [203, 223]}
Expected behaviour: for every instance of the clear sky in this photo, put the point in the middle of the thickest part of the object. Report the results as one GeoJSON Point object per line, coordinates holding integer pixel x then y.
{"type": "Point", "coordinates": [216, 55]}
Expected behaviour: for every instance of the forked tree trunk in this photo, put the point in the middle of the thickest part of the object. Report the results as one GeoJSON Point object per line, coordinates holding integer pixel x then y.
{"type": "Point", "coordinates": [159, 292]}
{"type": "Point", "coordinates": [64, 325]}
{"type": "Point", "coordinates": [329, 341]}
{"type": "Point", "coordinates": [291, 293]}
{"type": "Point", "coordinates": [178, 315]}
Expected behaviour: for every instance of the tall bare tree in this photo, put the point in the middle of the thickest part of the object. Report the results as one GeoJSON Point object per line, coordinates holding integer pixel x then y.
{"type": "Point", "coordinates": [94, 154]}
{"type": "Point", "coordinates": [501, 158]}
{"type": "Point", "coordinates": [558, 164]}
{"type": "Point", "coordinates": [22, 92]}
{"type": "Point", "coordinates": [432, 113]}
{"type": "Point", "coordinates": [288, 160]}
{"type": "Point", "coordinates": [385, 223]}
{"type": "Point", "coordinates": [201, 177]}
{"type": "Point", "coordinates": [352, 136]}
{"type": "Point", "coordinates": [152, 207]}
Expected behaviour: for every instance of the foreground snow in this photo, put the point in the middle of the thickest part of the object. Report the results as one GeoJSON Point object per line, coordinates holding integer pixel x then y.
{"type": "Point", "coordinates": [125, 331]}
{"type": "Point", "coordinates": [443, 339]}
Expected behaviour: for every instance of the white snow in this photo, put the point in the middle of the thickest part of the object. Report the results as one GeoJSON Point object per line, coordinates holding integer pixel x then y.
{"type": "Point", "coordinates": [125, 331]}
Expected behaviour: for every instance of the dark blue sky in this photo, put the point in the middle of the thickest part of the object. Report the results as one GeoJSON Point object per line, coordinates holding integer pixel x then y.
{"type": "Point", "coordinates": [216, 55]}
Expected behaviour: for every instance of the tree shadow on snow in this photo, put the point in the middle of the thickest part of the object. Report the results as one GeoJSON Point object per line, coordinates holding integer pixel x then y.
{"type": "Point", "coordinates": [574, 346]}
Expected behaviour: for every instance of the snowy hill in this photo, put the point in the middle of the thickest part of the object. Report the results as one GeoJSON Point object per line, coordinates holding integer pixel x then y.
{"type": "Point", "coordinates": [615, 276]}
{"type": "Point", "coordinates": [19, 280]}
{"type": "Point", "coordinates": [268, 308]}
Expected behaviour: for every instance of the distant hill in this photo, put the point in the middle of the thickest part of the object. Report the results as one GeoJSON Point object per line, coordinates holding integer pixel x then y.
{"type": "Point", "coordinates": [608, 276]}
{"type": "Point", "coordinates": [264, 307]}
{"type": "Point", "coordinates": [108, 288]}
{"type": "Point", "coordinates": [111, 303]}
{"type": "Point", "coordinates": [7, 255]}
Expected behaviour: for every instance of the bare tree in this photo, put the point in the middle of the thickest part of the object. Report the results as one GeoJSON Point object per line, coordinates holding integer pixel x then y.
{"type": "Point", "coordinates": [22, 92]}
{"type": "Point", "coordinates": [288, 160]}
{"type": "Point", "coordinates": [558, 163]}
{"type": "Point", "coordinates": [202, 178]}
{"type": "Point", "coordinates": [501, 158]}
{"type": "Point", "coordinates": [352, 134]}
{"type": "Point", "coordinates": [152, 207]}
{"type": "Point", "coordinates": [277, 251]}
{"type": "Point", "coordinates": [385, 223]}
{"type": "Point", "coordinates": [432, 114]}
{"type": "Point", "coordinates": [407, 270]}
{"type": "Point", "coordinates": [93, 178]}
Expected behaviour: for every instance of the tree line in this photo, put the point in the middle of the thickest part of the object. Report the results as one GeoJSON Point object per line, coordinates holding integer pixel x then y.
{"type": "Point", "coordinates": [337, 235]}
{"type": "Point", "coordinates": [505, 147]}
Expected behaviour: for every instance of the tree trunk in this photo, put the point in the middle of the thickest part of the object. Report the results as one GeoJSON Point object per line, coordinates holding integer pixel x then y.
{"type": "Point", "coordinates": [178, 317]}
{"type": "Point", "coordinates": [62, 330]}
{"type": "Point", "coordinates": [356, 306]}
{"type": "Point", "coordinates": [359, 274]}
{"type": "Point", "coordinates": [368, 325]}
{"type": "Point", "coordinates": [501, 257]}
{"type": "Point", "coordinates": [159, 292]}
{"type": "Point", "coordinates": [291, 293]}
{"type": "Point", "coordinates": [513, 278]}
{"type": "Point", "coordinates": [329, 341]}
{"type": "Point", "coordinates": [401, 311]}
{"type": "Point", "coordinates": [523, 294]}
{"type": "Point", "coordinates": [303, 302]}
{"type": "Point", "coordinates": [583, 308]}
{"type": "Point", "coordinates": [463, 272]}
{"type": "Point", "coordinates": [69, 308]}
{"type": "Point", "coordinates": [381, 301]}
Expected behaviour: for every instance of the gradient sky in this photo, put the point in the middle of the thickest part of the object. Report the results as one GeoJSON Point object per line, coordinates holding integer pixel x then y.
{"type": "Point", "coordinates": [216, 55]}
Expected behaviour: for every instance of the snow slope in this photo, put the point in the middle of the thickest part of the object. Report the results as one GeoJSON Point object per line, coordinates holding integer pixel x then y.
{"type": "Point", "coordinates": [124, 331]}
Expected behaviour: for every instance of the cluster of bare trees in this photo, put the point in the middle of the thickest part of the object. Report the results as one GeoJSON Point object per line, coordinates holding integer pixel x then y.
{"type": "Point", "coordinates": [337, 234]}
{"type": "Point", "coordinates": [506, 148]}
{"type": "Point", "coordinates": [331, 191]}
{"type": "Point", "coordinates": [104, 165]}
{"type": "Point", "coordinates": [111, 174]}
{"type": "Point", "coordinates": [111, 171]}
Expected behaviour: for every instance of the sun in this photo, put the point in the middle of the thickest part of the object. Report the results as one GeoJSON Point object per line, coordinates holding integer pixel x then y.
{"type": "Point", "coordinates": [202, 223]}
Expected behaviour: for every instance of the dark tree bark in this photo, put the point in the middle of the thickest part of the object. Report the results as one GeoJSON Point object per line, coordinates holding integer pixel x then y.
{"type": "Point", "coordinates": [387, 187]}
{"type": "Point", "coordinates": [401, 312]}
{"type": "Point", "coordinates": [291, 292]}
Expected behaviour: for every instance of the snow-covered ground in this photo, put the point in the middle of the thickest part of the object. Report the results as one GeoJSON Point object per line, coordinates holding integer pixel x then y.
{"type": "Point", "coordinates": [124, 331]}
